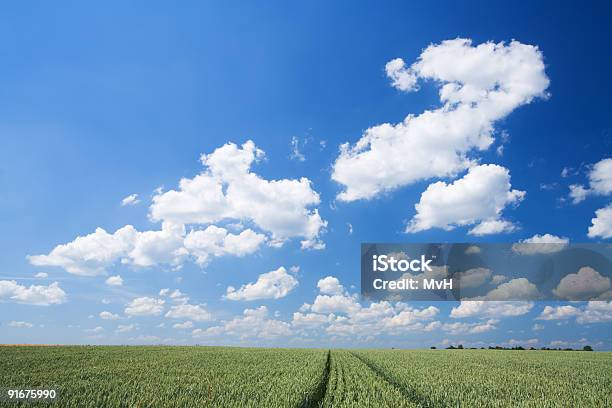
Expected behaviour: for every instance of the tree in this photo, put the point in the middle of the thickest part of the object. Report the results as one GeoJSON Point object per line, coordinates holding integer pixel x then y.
{"type": "Point", "coordinates": [433, 347]}
{"type": "Point", "coordinates": [460, 347]}
{"type": "Point", "coordinates": [587, 348]}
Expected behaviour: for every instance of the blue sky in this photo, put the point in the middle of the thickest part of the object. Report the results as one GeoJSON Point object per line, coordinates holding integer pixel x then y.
{"type": "Point", "coordinates": [99, 102]}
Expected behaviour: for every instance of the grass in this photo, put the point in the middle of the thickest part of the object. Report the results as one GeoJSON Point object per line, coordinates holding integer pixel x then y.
{"type": "Point", "coordinates": [114, 376]}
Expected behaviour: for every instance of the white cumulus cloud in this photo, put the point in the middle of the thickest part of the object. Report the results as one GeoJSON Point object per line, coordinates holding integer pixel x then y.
{"type": "Point", "coordinates": [480, 308]}
{"type": "Point", "coordinates": [145, 306]}
{"type": "Point", "coordinates": [594, 312]}
{"type": "Point", "coordinates": [586, 283]}
{"type": "Point", "coordinates": [116, 280]}
{"type": "Point", "coordinates": [479, 85]}
{"type": "Point", "coordinates": [540, 244]}
{"type": "Point", "coordinates": [477, 198]}
{"type": "Point", "coordinates": [183, 326]}
{"type": "Point", "coordinates": [330, 285]}
{"type": "Point", "coordinates": [228, 190]}
{"type": "Point", "coordinates": [189, 312]}
{"type": "Point", "coordinates": [271, 285]}
{"type": "Point", "coordinates": [600, 182]}
{"type": "Point", "coordinates": [254, 323]}
{"type": "Point", "coordinates": [39, 295]}
{"type": "Point", "coordinates": [217, 241]}
{"type": "Point", "coordinates": [108, 316]}
{"type": "Point", "coordinates": [601, 225]}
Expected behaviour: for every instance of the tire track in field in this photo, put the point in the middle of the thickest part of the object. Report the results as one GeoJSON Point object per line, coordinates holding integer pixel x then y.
{"type": "Point", "coordinates": [316, 400]}
{"type": "Point", "coordinates": [409, 392]}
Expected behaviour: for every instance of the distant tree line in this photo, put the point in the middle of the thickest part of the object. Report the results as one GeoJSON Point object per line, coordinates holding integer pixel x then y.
{"type": "Point", "coordinates": [460, 347]}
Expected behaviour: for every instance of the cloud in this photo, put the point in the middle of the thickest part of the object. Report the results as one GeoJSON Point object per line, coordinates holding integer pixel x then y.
{"type": "Point", "coordinates": [540, 244]}
{"type": "Point", "coordinates": [335, 304]}
{"type": "Point", "coordinates": [330, 285]}
{"type": "Point", "coordinates": [183, 326]}
{"type": "Point", "coordinates": [21, 324]}
{"type": "Point", "coordinates": [295, 150]}
{"type": "Point", "coordinates": [593, 312]}
{"type": "Point", "coordinates": [472, 249]}
{"type": "Point", "coordinates": [41, 275]}
{"type": "Point", "coordinates": [93, 254]}
{"type": "Point", "coordinates": [124, 328]}
{"type": "Point", "coordinates": [600, 182]}
{"type": "Point", "coordinates": [89, 255]}
{"type": "Point", "coordinates": [189, 312]}
{"type": "Point", "coordinates": [480, 308]}
{"type": "Point", "coordinates": [497, 279]}
{"type": "Point", "coordinates": [473, 278]}
{"type": "Point", "coordinates": [600, 177]}
{"type": "Point", "coordinates": [470, 328]}
{"type": "Point", "coordinates": [132, 199]}
{"type": "Point", "coordinates": [176, 295]}
{"type": "Point", "coordinates": [271, 285]}
{"type": "Point", "coordinates": [402, 77]}
{"type": "Point", "coordinates": [586, 283]}
{"type": "Point", "coordinates": [216, 241]}
{"type": "Point", "coordinates": [596, 312]}
{"type": "Point", "coordinates": [108, 316]}
{"type": "Point", "coordinates": [339, 313]}
{"type": "Point", "coordinates": [515, 289]}
{"type": "Point", "coordinates": [114, 281]}
{"type": "Point", "coordinates": [479, 85]}
{"type": "Point", "coordinates": [228, 190]}
{"type": "Point", "coordinates": [39, 295]}
{"type": "Point", "coordinates": [97, 329]}
{"type": "Point", "coordinates": [309, 320]}
{"type": "Point", "coordinates": [601, 225]}
{"type": "Point", "coordinates": [528, 342]}
{"type": "Point", "coordinates": [488, 227]}
{"type": "Point", "coordinates": [477, 198]}
{"type": "Point", "coordinates": [254, 323]}
{"type": "Point", "coordinates": [578, 193]}
{"type": "Point", "coordinates": [151, 248]}
{"type": "Point", "coordinates": [558, 312]}
{"type": "Point", "coordinates": [145, 306]}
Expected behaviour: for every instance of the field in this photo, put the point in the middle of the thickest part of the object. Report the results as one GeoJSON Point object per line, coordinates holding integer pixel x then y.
{"type": "Point", "coordinates": [241, 377]}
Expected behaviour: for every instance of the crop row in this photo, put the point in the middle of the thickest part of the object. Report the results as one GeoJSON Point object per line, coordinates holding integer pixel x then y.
{"type": "Point", "coordinates": [496, 378]}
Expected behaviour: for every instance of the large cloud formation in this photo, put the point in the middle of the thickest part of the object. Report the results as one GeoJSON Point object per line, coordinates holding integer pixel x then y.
{"type": "Point", "coordinates": [479, 85]}
{"type": "Point", "coordinates": [225, 191]}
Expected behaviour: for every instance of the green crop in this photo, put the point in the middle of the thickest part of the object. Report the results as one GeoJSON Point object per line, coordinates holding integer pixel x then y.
{"type": "Point", "coordinates": [167, 376]}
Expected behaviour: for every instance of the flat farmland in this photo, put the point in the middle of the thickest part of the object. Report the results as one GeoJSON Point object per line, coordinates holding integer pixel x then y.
{"type": "Point", "coordinates": [172, 376]}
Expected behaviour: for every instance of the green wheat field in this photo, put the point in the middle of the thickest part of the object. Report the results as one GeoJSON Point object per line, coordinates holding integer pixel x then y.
{"type": "Point", "coordinates": [170, 376]}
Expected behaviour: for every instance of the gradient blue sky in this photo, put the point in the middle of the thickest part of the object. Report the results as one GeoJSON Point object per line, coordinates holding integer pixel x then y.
{"type": "Point", "coordinates": [98, 102]}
